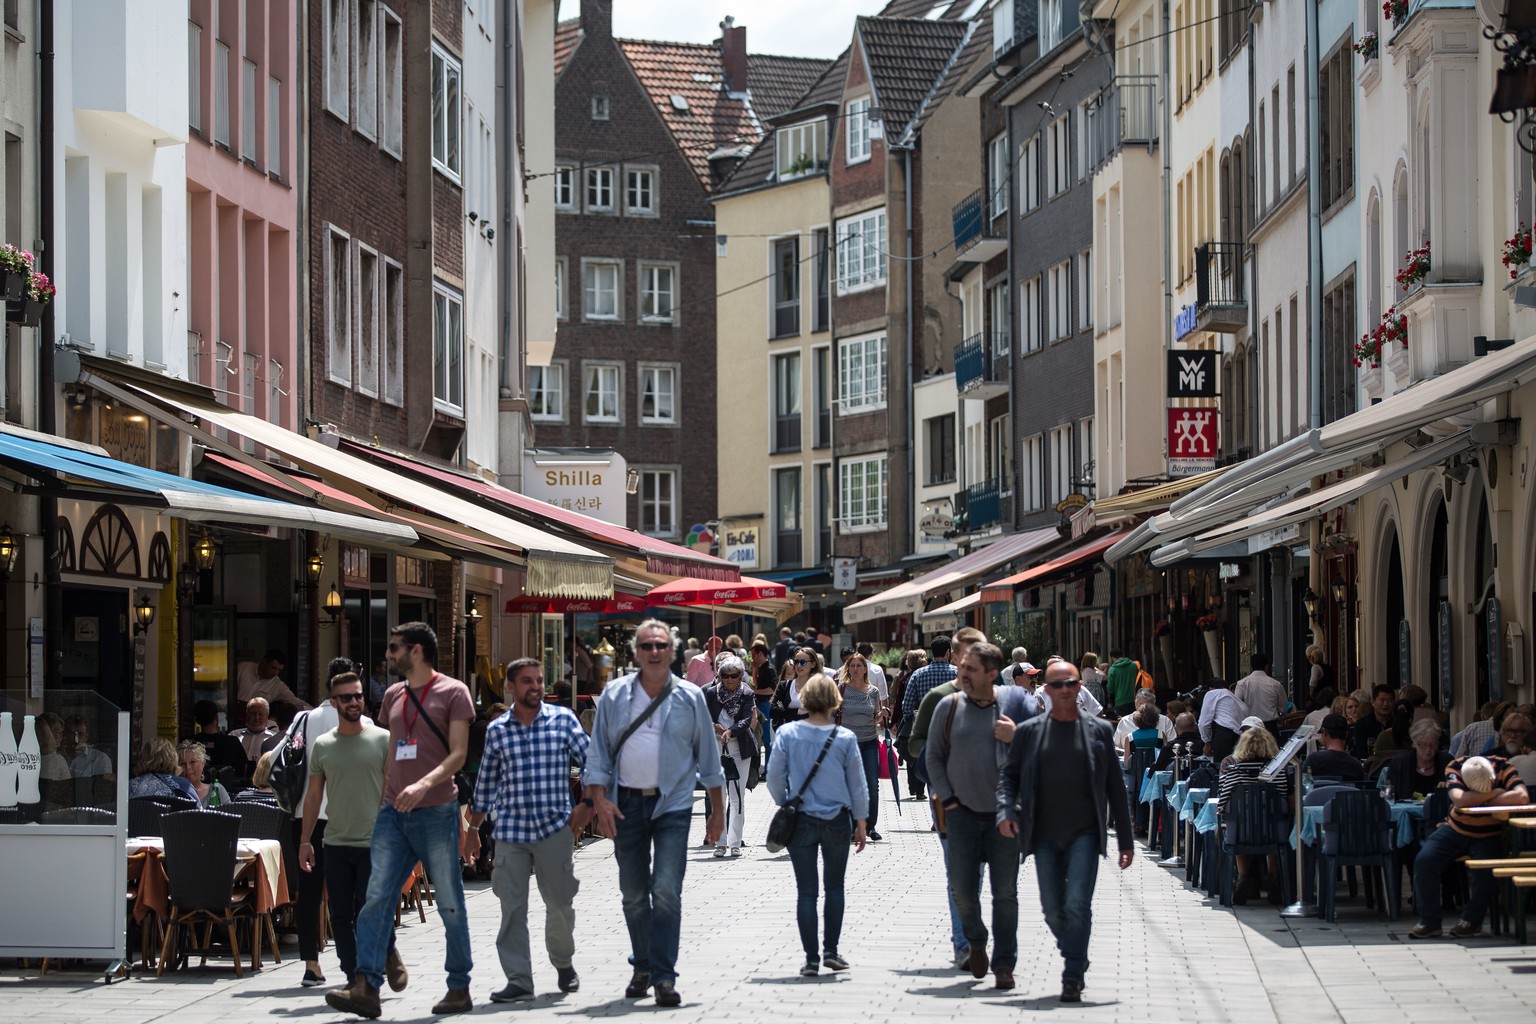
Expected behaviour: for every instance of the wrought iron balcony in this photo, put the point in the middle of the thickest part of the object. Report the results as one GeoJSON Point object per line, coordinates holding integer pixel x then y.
{"type": "Point", "coordinates": [976, 375]}
{"type": "Point", "coordinates": [976, 241]}
{"type": "Point", "coordinates": [983, 504]}
{"type": "Point", "coordinates": [1221, 295]}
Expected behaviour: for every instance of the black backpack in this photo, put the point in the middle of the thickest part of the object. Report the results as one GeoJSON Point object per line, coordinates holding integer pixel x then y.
{"type": "Point", "coordinates": [290, 767]}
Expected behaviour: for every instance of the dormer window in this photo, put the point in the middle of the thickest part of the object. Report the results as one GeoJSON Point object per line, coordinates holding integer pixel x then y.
{"type": "Point", "coordinates": [600, 107]}
{"type": "Point", "coordinates": [801, 149]}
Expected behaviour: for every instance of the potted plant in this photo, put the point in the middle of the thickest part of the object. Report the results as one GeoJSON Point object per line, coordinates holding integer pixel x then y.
{"type": "Point", "coordinates": [1517, 251]}
{"type": "Point", "coordinates": [15, 271]}
{"type": "Point", "coordinates": [1367, 46]}
{"type": "Point", "coordinates": [1210, 632]}
{"type": "Point", "coordinates": [1396, 11]}
{"type": "Point", "coordinates": [1416, 264]}
{"type": "Point", "coordinates": [40, 292]}
{"type": "Point", "coordinates": [1374, 342]}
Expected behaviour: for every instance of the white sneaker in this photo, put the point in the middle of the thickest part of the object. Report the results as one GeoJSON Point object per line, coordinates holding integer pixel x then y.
{"type": "Point", "coordinates": [719, 853]}
{"type": "Point", "coordinates": [735, 851]}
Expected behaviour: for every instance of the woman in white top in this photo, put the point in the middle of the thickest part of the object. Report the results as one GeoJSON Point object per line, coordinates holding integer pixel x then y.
{"type": "Point", "coordinates": [805, 665]}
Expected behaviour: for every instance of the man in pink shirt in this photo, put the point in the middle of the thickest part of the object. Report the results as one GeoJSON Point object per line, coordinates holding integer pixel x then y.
{"type": "Point", "coordinates": [701, 668]}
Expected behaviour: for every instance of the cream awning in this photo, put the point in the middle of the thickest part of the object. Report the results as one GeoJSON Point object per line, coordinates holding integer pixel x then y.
{"type": "Point", "coordinates": [907, 598]}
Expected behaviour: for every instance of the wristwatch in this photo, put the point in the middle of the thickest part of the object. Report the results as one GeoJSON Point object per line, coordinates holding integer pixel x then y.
{"type": "Point", "coordinates": [588, 801]}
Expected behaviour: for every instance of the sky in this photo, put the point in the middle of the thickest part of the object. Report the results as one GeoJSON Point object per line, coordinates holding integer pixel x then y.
{"type": "Point", "coordinates": [796, 28]}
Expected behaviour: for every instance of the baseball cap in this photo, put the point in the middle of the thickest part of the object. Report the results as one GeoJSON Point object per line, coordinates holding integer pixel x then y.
{"type": "Point", "coordinates": [1028, 670]}
{"type": "Point", "coordinates": [1251, 722]}
{"type": "Point", "coordinates": [1336, 726]}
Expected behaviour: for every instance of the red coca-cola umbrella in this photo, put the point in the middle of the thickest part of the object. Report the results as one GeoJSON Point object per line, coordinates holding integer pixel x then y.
{"type": "Point", "coordinates": [531, 605]}
{"type": "Point", "coordinates": [691, 590]}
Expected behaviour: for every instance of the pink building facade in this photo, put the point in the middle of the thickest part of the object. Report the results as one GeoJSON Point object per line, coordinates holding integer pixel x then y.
{"type": "Point", "coordinates": [243, 206]}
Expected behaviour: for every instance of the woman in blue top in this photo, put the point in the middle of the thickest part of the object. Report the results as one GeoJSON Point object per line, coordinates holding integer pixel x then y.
{"type": "Point", "coordinates": [1145, 736]}
{"type": "Point", "coordinates": [158, 772]}
{"type": "Point", "coordinates": [833, 808]}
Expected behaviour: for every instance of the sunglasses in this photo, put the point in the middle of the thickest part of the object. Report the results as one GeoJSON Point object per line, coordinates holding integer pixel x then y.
{"type": "Point", "coordinates": [653, 646]}
{"type": "Point", "coordinates": [347, 698]}
{"type": "Point", "coordinates": [799, 661]}
{"type": "Point", "coordinates": [392, 646]}
{"type": "Point", "coordinates": [1061, 684]}
{"type": "Point", "coordinates": [730, 675]}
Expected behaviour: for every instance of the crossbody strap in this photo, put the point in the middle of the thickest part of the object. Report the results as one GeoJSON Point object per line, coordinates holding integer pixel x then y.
{"type": "Point", "coordinates": [650, 709]}
{"type": "Point", "coordinates": [426, 717]}
{"type": "Point", "coordinates": [819, 758]}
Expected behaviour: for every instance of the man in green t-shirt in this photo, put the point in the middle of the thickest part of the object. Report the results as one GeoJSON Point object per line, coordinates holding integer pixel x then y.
{"type": "Point", "coordinates": [346, 771]}
{"type": "Point", "coordinates": [1120, 683]}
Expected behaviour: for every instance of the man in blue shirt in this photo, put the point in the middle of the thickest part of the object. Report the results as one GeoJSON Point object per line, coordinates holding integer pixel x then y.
{"type": "Point", "coordinates": [651, 740]}
{"type": "Point", "coordinates": [525, 786]}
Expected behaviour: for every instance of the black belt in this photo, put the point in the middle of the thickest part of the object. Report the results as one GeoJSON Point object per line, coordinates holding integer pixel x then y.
{"type": "Point", "coordinates": [632, 791]}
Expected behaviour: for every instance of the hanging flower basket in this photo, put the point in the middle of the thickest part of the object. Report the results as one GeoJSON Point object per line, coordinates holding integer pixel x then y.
{"type": "Point", "coordinates": [24, 289]}
{"type": "Point", "coordinates": [1396, 11]}
{"type": "Point", "coordinates": [1374, 342]}
{"type": "Point", "coordinates": [1416, 266]}
{"type": "Point", "coordinates": [1162, 628]}
{"type": "Point", "coordinates": [1208, 623]}
{"type": "Point", "coordinates": [1517, 251]}
{"type": "Point", "coordinates": [1368, 46]}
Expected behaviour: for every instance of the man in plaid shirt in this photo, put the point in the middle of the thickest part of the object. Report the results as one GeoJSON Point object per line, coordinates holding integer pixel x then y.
{"type": "Point", "coordinates": [525, 786]}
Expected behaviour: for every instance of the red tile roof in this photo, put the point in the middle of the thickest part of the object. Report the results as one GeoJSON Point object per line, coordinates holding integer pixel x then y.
{"type": "Point", "coordinates": [568, 36]}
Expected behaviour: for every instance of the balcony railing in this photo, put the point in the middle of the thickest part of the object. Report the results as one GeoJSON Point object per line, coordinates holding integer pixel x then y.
{"type": "Point", "coordinates": [786, 433]}
{"type": "Point", "coordinates": [983, 505]}
{"type": "Point", "coordinates": [975, 239]}
{"type": "Point", "coordinates": [1221, 297]}
{"type": "Point", "coordinates": [1126, 115]}
{"type": "Point", "coordinates": [976, 373]}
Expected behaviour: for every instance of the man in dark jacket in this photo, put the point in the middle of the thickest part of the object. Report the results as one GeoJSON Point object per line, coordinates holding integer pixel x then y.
{"type": "Point", "coordinates": [1061, 774]}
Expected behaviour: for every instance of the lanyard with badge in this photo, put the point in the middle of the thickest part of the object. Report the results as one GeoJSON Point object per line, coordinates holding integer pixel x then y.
{"type": "Point", "coordinates": [405, 750]}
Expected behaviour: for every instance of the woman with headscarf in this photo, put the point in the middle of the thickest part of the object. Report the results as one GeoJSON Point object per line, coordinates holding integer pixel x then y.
{"type": "Point", "coordinates": [731, 706]}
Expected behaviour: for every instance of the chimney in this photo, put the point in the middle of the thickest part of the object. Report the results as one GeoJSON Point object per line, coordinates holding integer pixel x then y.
{"type": "Point", "coordinates": [597, 18]}
{"type": "Point", "coordinates": [733, 55]}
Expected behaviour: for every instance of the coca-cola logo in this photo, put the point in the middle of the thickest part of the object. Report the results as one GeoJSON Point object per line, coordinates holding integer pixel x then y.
{"type": "Point", "coordinates": [7, 757]}
{"type": "Point", "coordinates": [30, 762]}
{"type": "Point", "coordinates": [725, 595]}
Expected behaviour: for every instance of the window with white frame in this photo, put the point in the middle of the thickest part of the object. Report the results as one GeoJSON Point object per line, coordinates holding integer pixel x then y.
{"type": "Point", "coordinates": [784, 318]}
{"type": "Point", "coordinates": [1058, 306]}
{"type": "Point", "coordinates": [861, 252]}
{"type": "Point", "coordinates": [1085, 289]}
{"type": "Point", "coordinates": [1000, 451]}
{"type": "Point", "coordinates": [599, 190]}
{"type": "Point", "coordinates": [856, 120]}
{"type": "Point", "coordinates": [221, 93]}
{"type": "Point", "coordinates": [658, 293]}
{"type": "Point", "coordinates": [394, 332]}
{"type": "Point", "coordinates": [1058, 156]}
{"type": "Point", "coordinates": [195, 76]}
{"type": "Point", "coordinates": [338, 58]}
{"type": "Point", "coordinates": [1029, 315]}
{"type": "Point", "coordinates": [800, 149]}
{"type": "Point", "coordinates": [1050, 25]}
{"type": "Point", "coordinates": [565, 188]}
{"type": "Point", "coordinates": [248, 109]}
{"type": "Point", "coordinates": [365, 84]}
{"type": "Point", "coordinates": [997, 176]}
{"type": "Point", "coordinates": [601, 107]}
{"type": "Point", "coordinates": [546, 393]}
{"type": "Point", "coordinates": [861, 374]}
{"type": "Point", "coordinates": [639, 191]}
{"type": "Point", "coordinates": [447, 112]}
{"type": "Point", "coordinates": [392, 81]}
{"type": "Point", "coordinates": [1000, 316]}
{"type": "Point", "coordinates": [861, 493]}
{"type": "Point", "coordinates": [275, 394]}
{"type": "Point", "coordinates": [1086, 457]}
{"type": "Point", "coordinates": [338, 305]}
{"type": "Point", "coordinates": [367, 321]}
{"type": "Point", "coordinates": [658, 394]}
{"type": "Point", "coordinates": [600, 289]}
{"type": "Point", "coordinates": [600, 391]}
{"type": "Point", "coordinates": [275, 126]}
{"type": "Point", "coordinates": [447, 350]}
{"type": "Point", "coordinates": [1061, 463]}
{"type": "Point", "coordinates": [1031, 470]}
{"type": "Point", "coordinates": [560, 287]}
{"type": "Point", "coordinates": [658, 502]}
{"type": "Point", "coordinates": [1029, 175]}
{"type": "Point", "coordinates": [1087, 112]}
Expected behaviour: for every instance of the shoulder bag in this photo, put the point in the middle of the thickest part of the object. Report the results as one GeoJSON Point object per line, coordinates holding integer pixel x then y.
{"type": "Point", "coordinates": [782, 828]}
{"type": "Point", "coordinates": [461, 783]}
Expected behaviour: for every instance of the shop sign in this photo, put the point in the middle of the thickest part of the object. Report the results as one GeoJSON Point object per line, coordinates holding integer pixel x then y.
{"type": "Point", "coordinates": [1229, 570]}
{"type": "Point", "coordinates": [1192, 374]}
{"type": "Point", "coordinates": [1072, 502]}
{"type": "Point", "coordinates": [590, 484]}
{"type": "Point", "coordinates": [845, 574]}
{"type": "Point", "coordinates": [1494, 639]}
{"type": "Point", "coordinates": [1192, 437]}
{"type": "Point", "coordinates": [741, 546]}
{"type": "Point", "coordinates": [1184, 321]}
{"type": "Point", "coordinates": [1447, 680]}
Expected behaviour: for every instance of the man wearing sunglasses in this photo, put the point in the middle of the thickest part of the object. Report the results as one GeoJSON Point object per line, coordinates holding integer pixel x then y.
{"type": "Point", "coordinates": [651, 740]}
{"type": "Point", "coordinates": [346, 761]}
{"type": "Point", "coordinates": [1062, 772]}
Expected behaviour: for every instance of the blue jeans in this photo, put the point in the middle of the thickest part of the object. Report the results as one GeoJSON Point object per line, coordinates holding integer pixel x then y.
{"type": "Point", "coordinates": [764, 714]}
{"type": "Point", "coordinates": [956, 930]}
{"type": "Point", "coordinates": [870, 752]}
{"type": "Point", "coordinates": [400, 839]}
{"type": "Point", "coordinates": [975, 841]}
{"type": "Point", "coordinates": [1440, 850]}
{"type": "Point", "coordinates": [830, 837]}
{"type": "Point", "coordinates": [651, 884]}
{"type": "Point", "coordinates": [1067, 873]}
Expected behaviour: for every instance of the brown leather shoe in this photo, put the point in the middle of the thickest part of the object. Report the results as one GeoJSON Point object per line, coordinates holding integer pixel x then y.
{"type": "Point", "coordinates": [394, 970]}
{"type": "Point", "coordinates": [1004, 980]}
{"type": "Point", "coordinates": [978, 960]}
{"type": "Point", "coordinates": [359, 997]}
{"type": "Point", "coordinates": [666, 994]}
{"type": "Point", "coordinates": [456, 1001]}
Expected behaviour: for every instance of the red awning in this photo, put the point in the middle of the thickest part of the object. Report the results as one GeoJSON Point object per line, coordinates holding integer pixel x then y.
{"type": "Point", "coordinates": [531, 605]}
{"type": "Point", "coordinates": [1002, 590]}
{"type": "Point", "coordinates": [690, 590]}
{"type": "Point", "coordinates": [661, 558]}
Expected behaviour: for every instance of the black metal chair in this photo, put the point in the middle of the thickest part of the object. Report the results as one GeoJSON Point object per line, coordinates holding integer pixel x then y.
{"type": "Point", "coordinates": [257, 820]}
{"type": "Point", "coordinates": [1357, 832]}
{"type": "Point", "coordinates": [1255, 823]}
{"type": "Point", "coordinates": [200, 852]}
{"type": "Point", "coordinates": [1136, 770]}
{"type": "Point", "coordinates": [79, 816]}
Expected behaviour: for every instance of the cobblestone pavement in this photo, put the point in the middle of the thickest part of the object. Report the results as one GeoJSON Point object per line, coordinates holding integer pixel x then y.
{"type": "Point", "coordinates": [1160, 952]}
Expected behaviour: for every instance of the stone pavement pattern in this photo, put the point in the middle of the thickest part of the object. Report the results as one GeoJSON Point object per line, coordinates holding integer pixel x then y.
{"type": "Point", "coordinates": [1160, 953]}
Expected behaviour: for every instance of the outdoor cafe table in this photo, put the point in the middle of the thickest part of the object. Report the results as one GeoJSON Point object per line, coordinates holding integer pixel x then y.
{"type": "Point", "coordinates": [1406, 818]}
{"type": "Point", "coordinates": [1154, 786]}
{"type": "Point", "coordinates": [261, 857]}
{"type": "Point", "coordinates": [1511, 835]}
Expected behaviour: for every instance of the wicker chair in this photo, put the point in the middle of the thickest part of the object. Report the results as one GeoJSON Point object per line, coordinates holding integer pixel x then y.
{"type": "Point", "coordinates": [200, 850]}
{"type": "Point", "coordinates": [257, 820]}
{"type": "Point", "coordinates": [79, 816]}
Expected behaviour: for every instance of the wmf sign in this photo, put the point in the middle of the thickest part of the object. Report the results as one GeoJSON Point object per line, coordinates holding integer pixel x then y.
{"type": "Point", "coordinates": [1192, 374]}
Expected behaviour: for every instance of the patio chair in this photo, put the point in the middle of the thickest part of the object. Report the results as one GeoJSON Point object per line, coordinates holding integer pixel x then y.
{"type": "Point", "coordinates": [79, 816]}
{"type": "Point", "coordinates": [200, 850]}
{"type": "Point", "coordinates": [1256, 823]}
{"type": "Point", "coordinates": [257, 820]}
{"type": "Point", "coordinates": [1357, 832]}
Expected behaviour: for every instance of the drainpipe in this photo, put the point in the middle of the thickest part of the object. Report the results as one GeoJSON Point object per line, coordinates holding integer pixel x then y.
{"type": "Point", "coordinates": [1168, 238]}
{"type": "Point", "coordinates": [1251, 170]}
{"type": "Point", "coordinates": [907, 397]}
{"type": "Point", "coordinates": [47, 414]}
{"type": "Point", "coordinates": [1314, 226]}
